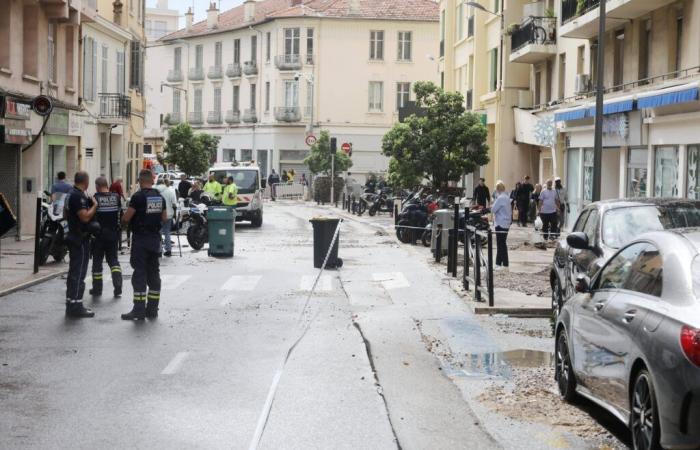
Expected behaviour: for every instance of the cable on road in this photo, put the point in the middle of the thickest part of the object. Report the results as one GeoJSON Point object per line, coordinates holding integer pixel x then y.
{"type": "Point", "coordinates": [305, 325]}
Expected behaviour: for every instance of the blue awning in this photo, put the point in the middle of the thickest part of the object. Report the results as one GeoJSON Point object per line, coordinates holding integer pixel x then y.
{"type": "Point", "coordinates": [671, 96]}
{"type": "Point", "coordinates": [614, 106]}
{"type": "Point", "coordinates": [577, 113]}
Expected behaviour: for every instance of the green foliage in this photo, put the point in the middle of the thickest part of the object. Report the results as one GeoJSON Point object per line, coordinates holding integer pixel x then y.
{"type": "Point", "coordinates": [319, 159]}
{"type": "Point", "coordinates": [191, 153]}
{"type": "Point", "coordinates": [580, 6]}
{"type": "Point", "coordinates": [322, 188]}
{"type": "Point", "coordinates": [444, 144]}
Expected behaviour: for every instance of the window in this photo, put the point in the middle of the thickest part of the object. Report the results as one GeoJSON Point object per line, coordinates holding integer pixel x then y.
{"type": "Point", "coordinates": [376, 45]}
{"type": "Point", "coordinates": [309, 98]}
{"type": "Point", "coordinates": [538, 87]}
{"type": "Point", "coordinates": [645, 45]}
{"type": "Point", "coordinates": [496, 6]}
{"type": "Point", "coordinates": [268, 46]}
{"type": "Point", "coordinates": [309, 46]}
{"type": "Point", "coordinates": [581, 222]}
{"type": "Point", "coordinates": [246, 155]}
{"type": "Point", "coordinates": [217, 99]}
{"type": "Point", "coordinates": [459, 19]}
{"type": "Point", "coordinates": [637, 172]}
{"type": "Point", "coordinates": [679, 40]}
{"type": "Point", "coordinates": [198, 100]}
{"type": "Point", "coordinates": [121, 72]}
{"type": "Point", "coordinates": [199, 56]}
{"type": "Point", "coordinates": [5, 36]}
{"type": "Point", "coordinates": [253, 48]}
{"type": "Point", "coordinates": [619, 55]}
{"type": "Point", "coordinates": [562, 75]}
{"type": "Point", "coordinates": [267, 96]}
{"type": "Point", "coordinates": [228, 155]}
{"type": "Point", "coordinates": [376, 96]}
{"type": "Point", "coordinates": [621, 225]}
{"type": "Point", "coordinates": [252, 96]}
{"type": "Point", "coordinates": [291, 93]}
{"type": "Point", "coordinates": [70, 54]}
{"type": "Point", "coordinates": [217, 54]}
{"type": "Point", "coordinates": [616, 273]}
{"type": "Point", "coordinates": [493, 80]}
{"type": "Point", "coordinates": [51, 47]}
{"type": "Point", "coordinates": [136, 61]}
{"type": "Point", "coordinates": [177, 58]}
{"type": "Point", "coordinates": [694, 172]}
{"type": "Point", "coordinates": [403, 94]}
{"type": "Point", "coordinates": [666, 171]}
{"type": "Point", "coordinates": [580, 59]}
{"type": "Point", "coordinates": [291, 41]}
{"type": "Point", "coordinates": [176, 101]}
{"type": "Point", "coordinates": [236, 98]}
{"type": "Point", "coordinates": [236, 51]}
{"type": "Point", "coordinates": [89, 69]}
{"type": "Point", "coordinates": [591, 228]}
{"type": "Point", "coordinates": [646, 272]}
{"type": "Point", "coordinates": [404, 46]}
{"type": "Point", "coordinates": [104, 86]}
{"type": "Point", "coordinates": [30, 33]}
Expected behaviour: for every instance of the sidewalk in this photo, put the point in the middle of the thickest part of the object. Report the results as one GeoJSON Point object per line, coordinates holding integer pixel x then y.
{"type": "Point", "coordinates": [17, 266]}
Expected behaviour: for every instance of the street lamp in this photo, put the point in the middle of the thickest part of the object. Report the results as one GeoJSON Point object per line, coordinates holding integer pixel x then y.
{"type": "Point", "coordinates": [599, 98]}
{"type": "Point", "coordinates": [480, 7]}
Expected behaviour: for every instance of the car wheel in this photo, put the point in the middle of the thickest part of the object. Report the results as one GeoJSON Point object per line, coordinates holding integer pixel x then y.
{"type": "Point", "coordinates": [564, 372]}
{"type": "Point", "coordinates": [644, 416]}
{"type": "Point", "coordinates": [257, 220]}
{"type": "Point", "coordinates": [557, 298]}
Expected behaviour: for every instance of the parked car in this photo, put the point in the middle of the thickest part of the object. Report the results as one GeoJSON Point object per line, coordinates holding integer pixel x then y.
{"type": "Point", "coordinates": [629, 340]}
{"type": "Point", "coordinates": [604, 227]}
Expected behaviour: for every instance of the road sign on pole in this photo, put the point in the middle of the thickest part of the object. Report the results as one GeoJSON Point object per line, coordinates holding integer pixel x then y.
{"type": "Point", "coordinates": [310, 140]}
{"type": "Point", "coordinates": [346, 147]}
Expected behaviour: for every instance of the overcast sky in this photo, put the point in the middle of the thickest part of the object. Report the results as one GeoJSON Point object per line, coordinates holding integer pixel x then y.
{"type": "Point", "coordinates": [200, 7]}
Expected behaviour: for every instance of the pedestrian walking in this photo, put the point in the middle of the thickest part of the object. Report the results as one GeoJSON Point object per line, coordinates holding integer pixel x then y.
{"type": "Point", "coordinates": [481, 196]}
{"type": "Point", "coordinates": [213, 187]}
{"type": "Point", "coordinates": [80, 211]}
{"type": "Point", "coordinates": [562, 196]}
{"type": "Point", "coordinates": [549, 210]}
{"type": "Point", "coordinates": [272, 181]}
{"type": "Point", "coordinates": [534, 204]}
{"type": "Point", "coordinates": [146, 213]}
{"type": "Point", "coordinates": [304, 181]}
{"type": "Point", "coordinates": [523, 200]}
{"type": "Point", "coordinates": [105, 246]}
{"type": "Point", "coordinates": [183, 189]}
{"type": "Point", "coordinates": [503, 218]}
{"type": "Point", "coordinates": [168, 193]}
{"type": "Point", "coordinates": [230, 195]}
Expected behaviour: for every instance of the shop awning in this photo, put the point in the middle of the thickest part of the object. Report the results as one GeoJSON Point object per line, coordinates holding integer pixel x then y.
{"type": "Point", "coordinates": [575, 113]}
{"type": "Point", "coordinates": [616, 105]}
{"type": "Point", "coordinates": [670, 96]}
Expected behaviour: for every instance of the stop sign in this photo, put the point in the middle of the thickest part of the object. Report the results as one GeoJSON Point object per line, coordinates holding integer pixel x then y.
{"type": "Point", "coordinates": [346, 147]}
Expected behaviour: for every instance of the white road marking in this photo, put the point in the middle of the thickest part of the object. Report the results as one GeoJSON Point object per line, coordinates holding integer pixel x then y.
{"type": "Point", "coordinates": [393, 280]}
{"type": "Point", "coordinates": [226, 301]}
{"type": "Point", "coordinates": [265, 412]}
{"type": "Point", "coordinates": [175, 364]}
{"type": "Point", "coordinates": [245, 283]}
{"type": "Point", "coordinates": [169, 282]}
{"type": "Point", "coordinates": [325, 284]}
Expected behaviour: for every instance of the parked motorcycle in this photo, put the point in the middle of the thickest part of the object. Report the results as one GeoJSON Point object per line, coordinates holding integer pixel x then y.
{"type": "Point", "coordinates": [53, 230]}
{"type": "Point", "coordinates": [198, 231]}
{"type": "Point", "coordinates": [382, 203]}
{"type": "Point", "coordinates": [413, 215]}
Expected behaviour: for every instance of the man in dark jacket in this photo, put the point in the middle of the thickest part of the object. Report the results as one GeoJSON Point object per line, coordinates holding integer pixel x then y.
{"type": "Point", "coordinates": [522, 199]}
{"type": "Point", "coordinates": [272, 180]}
{"type": "Point", "coordinates": [183, 189]}
{"type": "Point", "coordinates": [105, 245]}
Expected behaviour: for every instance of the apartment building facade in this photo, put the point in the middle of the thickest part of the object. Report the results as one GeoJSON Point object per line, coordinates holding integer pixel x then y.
{"type": "Point", "coordinates": [265, 75]}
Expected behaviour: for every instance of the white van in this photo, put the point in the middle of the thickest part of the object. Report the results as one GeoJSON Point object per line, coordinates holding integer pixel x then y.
{"type": "Point", "coordinates": [250, 189]}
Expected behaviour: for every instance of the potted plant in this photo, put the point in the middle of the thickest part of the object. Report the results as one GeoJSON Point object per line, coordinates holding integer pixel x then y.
{"type": "Point", "coordinates": [512, 28]}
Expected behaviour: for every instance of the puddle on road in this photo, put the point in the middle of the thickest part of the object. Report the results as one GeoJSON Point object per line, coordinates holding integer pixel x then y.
{"type": "Point", "coordinates": [501, 364]}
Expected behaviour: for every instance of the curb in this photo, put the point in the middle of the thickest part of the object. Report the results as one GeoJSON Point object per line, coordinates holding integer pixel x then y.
{"type": "Point", "coordinates": [31, 283]}
{"type": "Point", "coordinates": [525, 313]}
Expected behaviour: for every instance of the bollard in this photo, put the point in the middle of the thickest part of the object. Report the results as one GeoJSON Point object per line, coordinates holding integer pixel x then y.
{"type": "Point", "coordinates": [490, 267]}
{"type": "Point", "coordinates": [37, 235]}
{"type": "Point", "coordinates": [438, 244]}
{"type": "Point", "coordinates": [477, 266]}
{"type": "Point", "coordinates": [455, 250]}
{"type": "Point", "coordinates": [467, 245]}
{"type": "Point", "coordinates": [450, 254]}
{"type": "Point", "coordinates": [396, 214]}
{"type": "Point", "coordinates": [343, 200]}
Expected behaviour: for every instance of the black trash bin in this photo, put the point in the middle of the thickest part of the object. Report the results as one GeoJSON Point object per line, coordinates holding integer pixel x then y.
{"type": "Point", "coordinates": [324, 230]}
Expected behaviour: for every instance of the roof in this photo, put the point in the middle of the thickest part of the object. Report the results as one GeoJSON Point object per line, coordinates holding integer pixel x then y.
{"type": "Point", "coordinates": [265, 10]}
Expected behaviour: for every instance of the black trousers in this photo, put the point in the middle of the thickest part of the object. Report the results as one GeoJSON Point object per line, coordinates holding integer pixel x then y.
{"type": "Point", "coordinates": [144, 260]}
{"type": "Point", "coordinates": [106, 250]}
{"type": "Point", "coordinates": [501, 247]}
{"type": "Point", "coordinates": [79, 254]}
{"type": "Point", "coordinates": [523, 211]}
{"type": "Point", "coordinates": [550, 226]}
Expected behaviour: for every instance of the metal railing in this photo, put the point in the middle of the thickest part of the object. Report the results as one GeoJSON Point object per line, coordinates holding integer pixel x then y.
{"type": "Point", "coordinates": [250, 68]}
{"type": "Point", "coordinates": [250, 116]}
{"type": "Point", "coordinates": [214, 117]}
{"type": "Point", "coordinates": [288, 114]}
{"type": "Point", "coordinates": [215, 73]}
{"type": "Point", "coordinates": [288, 62]}
{"type": "Point", "coordinates": [309, 60]}
{"type": "Point", "coordinates": [571, 9]}
{"type": "Point", "coordinates": [233, 116]}
{"type": "Point", "coordinates": [196, 73]}
{"type": "Point", "coordinates": [195, 118]}
{"type": "Point", "coordinates": [534, 30]}
{"type": "Point", "coordinates": [174, 118]}
{"type": "Point", "coordinates": [115, 106]}
{"type": "Point", "coordinates": [174, 76]}
{"type": "Point", "coordinates": [234, 70]}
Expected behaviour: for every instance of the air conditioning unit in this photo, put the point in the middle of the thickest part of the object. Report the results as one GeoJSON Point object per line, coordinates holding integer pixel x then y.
{"type": "Point", "coordinates": [524, 99]}
{"type": "Point", "coordinates": [583, 83]}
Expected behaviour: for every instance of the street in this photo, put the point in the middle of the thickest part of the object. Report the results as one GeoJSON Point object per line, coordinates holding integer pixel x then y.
{"type": "Point", "coordinates": [391, 357]}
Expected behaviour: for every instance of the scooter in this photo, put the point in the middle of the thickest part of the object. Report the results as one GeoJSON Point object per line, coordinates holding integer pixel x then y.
{"type": "Point", "coordinates": [413, 216]}
{"type": "Point", "coordinates": [198, 232]}
{"type": "Point", "coordinates": [382, 203]}
{"type": "Point", "coordinates": [53, 231]}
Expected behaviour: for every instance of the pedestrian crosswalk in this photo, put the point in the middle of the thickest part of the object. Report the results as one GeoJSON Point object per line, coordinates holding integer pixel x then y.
{"type": "Point", "coordinates": [243, 283]}
{"type": "Point", "coordinates": [171, 282]}
{"type": "Point", "coordinates": [325, 284]}
{"type": "Point", "coordinates": [392, 280]}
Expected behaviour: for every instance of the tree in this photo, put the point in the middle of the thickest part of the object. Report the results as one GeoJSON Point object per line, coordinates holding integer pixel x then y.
{"type": "Point", "coordinates": [319, 159]}
{"type": "Point", "coordinates": [191, 153]}
{"type": "Point", "coordinates": [442, 144]}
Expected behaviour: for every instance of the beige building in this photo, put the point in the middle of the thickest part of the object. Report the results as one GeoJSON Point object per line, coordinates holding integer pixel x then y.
{"type": "Point", "coordinates": [266, 74]}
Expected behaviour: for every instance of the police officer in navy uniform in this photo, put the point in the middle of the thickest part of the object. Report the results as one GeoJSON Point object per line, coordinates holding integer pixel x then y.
{"type": "Point", "coordinates": [106, 245]}
{"type": "Point", "coordinates": [146, 213]}
{"type": "Point", "coordinates": [79, 211]}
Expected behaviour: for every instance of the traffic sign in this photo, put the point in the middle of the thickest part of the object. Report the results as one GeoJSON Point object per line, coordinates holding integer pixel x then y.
{"type": "Point", "coordinates": [310, 140]}
{"type": "Point", "coordinates": [346, 147]}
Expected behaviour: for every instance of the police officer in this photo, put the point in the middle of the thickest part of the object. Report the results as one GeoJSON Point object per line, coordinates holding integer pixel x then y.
{"type": "Point", "coordinates": [230, 194]}
{"type": "Point", "coordinates": [146, 213]}
{"type": "Point", "coordinates": [105, 246]}
{"type": "Point", "coordinates": [79, 211]}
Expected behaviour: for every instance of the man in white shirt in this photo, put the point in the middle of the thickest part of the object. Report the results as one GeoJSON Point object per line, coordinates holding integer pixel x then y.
{"type": "Point", "coordinates": [549, 212]}
{"type": "Point", "coordinates": [168, 193]}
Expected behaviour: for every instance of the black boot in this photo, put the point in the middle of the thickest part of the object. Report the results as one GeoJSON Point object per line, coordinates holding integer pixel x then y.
{"type": "Point", "coordinates": [138, 312]}
{"type": "Point", "coordinates": [75, 308]}
{"type": "Point", "coordinates": [117, 280]}
{"type": "Point", "coordinates": [96, 290]}
{"type": "Point", "coordinates": [152, 306]}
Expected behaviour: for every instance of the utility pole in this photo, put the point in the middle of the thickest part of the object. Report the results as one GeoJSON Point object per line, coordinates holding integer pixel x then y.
{"type": "Point", "coordinates": [599, 98]}
{"type": "Point", "coordinates": [334, 148]}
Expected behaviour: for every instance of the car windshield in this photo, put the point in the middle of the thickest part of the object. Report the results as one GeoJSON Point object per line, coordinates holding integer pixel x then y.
{"type": "Point", "coordinates": [246, 180]}
{"type": "Point", "coordinates": [621, 225]}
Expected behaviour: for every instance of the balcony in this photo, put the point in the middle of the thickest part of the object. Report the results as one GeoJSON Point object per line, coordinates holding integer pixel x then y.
{"type": "Point", "coordinates": [250, 68]}
{"type": "Point", "coordinates": [196, 74]}
{"type": "Point", "coordinates": [233, 70]}
{"type": "Point", "coordinates": [288, 114]}
{"type": "Point", "coordinates": [174, 76]}
{"type": "Point", "coordinates": [288, 62]}
{"type": "Point", "coordinates": [233, 116]}
{"type": "Point", "coordinates": [114, 108]}
{"type": "Point", "coordinates": [534, 41]}
{"type": "Point", "coordinates": [579, 18]}
{"type": "Point", "coordinates": [195, 118]}
{"type": "Point", "coordinates": [173, 118]}
{"type": "Point", "coordinates": [214, 118]}
{"type": "Point", "coordinates": [215, 73]}
{"type": "Point", "coordinates": [250, 116]}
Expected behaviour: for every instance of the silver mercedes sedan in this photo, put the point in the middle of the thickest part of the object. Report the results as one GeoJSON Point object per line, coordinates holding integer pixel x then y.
{"type": "Point", "coordinates": [629, 340]}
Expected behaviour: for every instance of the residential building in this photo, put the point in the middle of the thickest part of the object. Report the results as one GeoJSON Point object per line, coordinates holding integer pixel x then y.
{"type": "Point", "coordinates": [266, 74]}
{"type": "Point", "coordinates": [161, 21]}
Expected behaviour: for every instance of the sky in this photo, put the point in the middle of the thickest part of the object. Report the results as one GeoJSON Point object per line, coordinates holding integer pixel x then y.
{"type": "Point", "coordinates": [200, 7]}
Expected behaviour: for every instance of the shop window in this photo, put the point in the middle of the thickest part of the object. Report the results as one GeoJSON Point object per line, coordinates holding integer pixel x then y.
{"type": "Point", "coordinates": [573, 181]}
{"type": "Point", "coordinates": [694, 172]}
{"type": "Point", "coordinates": [30, 33]}
{"type": "Point", "coordinates": [588, 155]}
{"type": "Point", "coordinates": [666, 171]}
{"type": "Point", "coordinates": [637, 173]}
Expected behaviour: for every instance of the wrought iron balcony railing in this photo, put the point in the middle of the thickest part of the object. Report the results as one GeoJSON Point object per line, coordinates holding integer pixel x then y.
{"type": "Point", "coordinates": [534, 30]}
{"type": "Point", "coordinates": [214, 117]}
{"type": "Point", "coordinates": [196, 73]}
{"type": "Point", "coordinates": [250, 68]}
{"type": "Point", "coordinates": [174, 76]}
{"type": "Point", "coordinates": [570, 9]}
{"type": "Point", "coordinates": [233, 116]}
{"type": "Point", "coordinates": [115, 106]}
{"type": "Point", "coordinates": [250, 116]}
{"type": "Point", "coordinates": [174, 118]}
{"type": "Point", "coordinates": [234, 70]}
{"type": "Point", "coordinates": [288, 114]}
{"type": "Point", "coordinates": [215, 73]}
{"type": "Point", "coordinates": [288, 62]}
{"type": "Point", "coordinates": [195, 118]}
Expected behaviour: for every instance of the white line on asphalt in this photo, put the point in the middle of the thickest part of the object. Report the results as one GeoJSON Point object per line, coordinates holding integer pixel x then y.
{"type": "Point", "coordinates": [226, 301]}
{"type": "Point", "coordinates": [169, 282]}
{"type": "Point", "coordinates": [245, 283]}
{"type": "Point", "coordinates": [175, 363]}
{"type": "Point", "coordinates": [265, 412]}
{"type": "Point", "coordinates": [325, 284]}
{"type": "Point", "coordinates": [393, 280]}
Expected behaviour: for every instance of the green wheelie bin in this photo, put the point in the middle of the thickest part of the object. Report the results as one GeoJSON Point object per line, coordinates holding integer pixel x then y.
{"type": "Point", "coordinates": [221, 226]}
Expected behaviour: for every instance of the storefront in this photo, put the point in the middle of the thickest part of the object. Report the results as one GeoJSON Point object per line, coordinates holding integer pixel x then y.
{"type": "Point", "coordinates": [60, 148]}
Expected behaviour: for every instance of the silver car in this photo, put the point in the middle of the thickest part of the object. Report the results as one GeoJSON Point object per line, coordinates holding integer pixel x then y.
{"type": "Point", "coordinates": [629, 340]}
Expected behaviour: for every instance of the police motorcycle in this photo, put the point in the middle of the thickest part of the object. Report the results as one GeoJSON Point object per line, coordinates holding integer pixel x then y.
{"type": "Point", "coordinates": [198, 232]}
{"type": "Point", "coordinates": [381, 203]}
{"type": "Point", "coordinates": [53, 229]}
{"type": "Point", "coordinates": [412, 218]}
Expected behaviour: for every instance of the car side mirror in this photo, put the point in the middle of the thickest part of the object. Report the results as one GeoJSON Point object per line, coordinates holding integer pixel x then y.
{"type": "Point", "coordinates": [263, 183]}
{"type": "Point", "coordinates": [583, 284]}
{"type": "Point", "coordinates": [578, 241]}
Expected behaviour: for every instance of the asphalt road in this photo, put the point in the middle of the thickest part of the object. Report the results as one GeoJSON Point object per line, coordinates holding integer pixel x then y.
{"type": "Point", "coordinates": [210, 372]}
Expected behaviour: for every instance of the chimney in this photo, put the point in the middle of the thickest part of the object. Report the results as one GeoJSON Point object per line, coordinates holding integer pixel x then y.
{"type": "Point", "coordinates": [248, 10]}
{"type": "Point", "coordinates": [212, 16]}
{"type": "Point", "coordinates": [189, 18]}
{"type": "Point", "coordinates": [354, 7]}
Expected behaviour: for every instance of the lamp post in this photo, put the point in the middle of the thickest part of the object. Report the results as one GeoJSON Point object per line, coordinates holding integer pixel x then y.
{"type": "Point", "coordinates": [599, 97]}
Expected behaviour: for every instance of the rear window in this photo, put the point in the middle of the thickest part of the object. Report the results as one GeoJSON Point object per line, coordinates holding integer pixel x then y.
{"type": "Point", "coordinates": [624, 224]}
{"type": "Point", "coordinates": [246, 180]}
